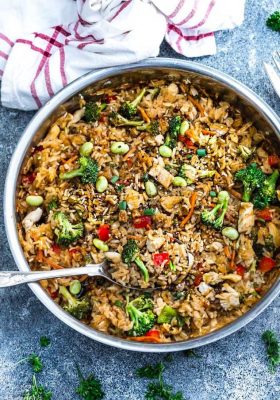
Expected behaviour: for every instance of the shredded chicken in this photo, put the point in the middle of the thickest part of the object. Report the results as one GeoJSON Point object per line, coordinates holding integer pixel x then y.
{"type": "Point", "coordinates": [246, 254]}
{"type": "Point", "coordinates": [154, 241]}
{"type": "Point", "coordinates": [246, 219]}
{"type": "Point", "coordinates": [229, 298]}
{"type": "Point", "coordinates": [161, 175]}
{"type": "Point", "coordinates": [32, 218]}
{"type": "Point", "coordinates": [133, 199]}
{"type": "Point", "coordinates": [169, 202]}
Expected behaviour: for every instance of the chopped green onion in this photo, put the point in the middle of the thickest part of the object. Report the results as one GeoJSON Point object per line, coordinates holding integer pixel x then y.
{"type": "Point", "coordinates": [122, 205]}
{"type": "Point", "coordinates": [212, 193]}
{"type": "Point", "coordinates": [119, 304]}
{"type": "Point", "coordinates": [172, 266]}
{"type": "Point", "coordinates": [201, 152]}
{"type": "Point", "coordinates": [114, 179]}
{"type": "Point", "coordinates": [149, 211]}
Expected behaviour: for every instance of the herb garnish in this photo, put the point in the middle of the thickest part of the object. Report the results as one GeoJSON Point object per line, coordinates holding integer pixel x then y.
{"type": "Point", "coordinates": [90, 388]}
{"type": "Point", "coordinates": [273, 21]}
{"type": "Point", "coordinates": [44, 341]}
{"type": "Point", "coordinates": [37, 392]}
{"type": "Point", "coordinates": [158, 390]}
{"type": "Point", "coordinates": [272, 349]}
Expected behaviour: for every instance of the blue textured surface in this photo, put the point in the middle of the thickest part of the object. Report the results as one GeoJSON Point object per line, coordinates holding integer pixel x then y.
{"type": "Point", "coordinates": [234, 368]}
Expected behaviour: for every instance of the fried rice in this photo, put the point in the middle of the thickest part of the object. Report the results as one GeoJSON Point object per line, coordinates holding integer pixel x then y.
{"type": "Point", "coordinates": [206, 277]}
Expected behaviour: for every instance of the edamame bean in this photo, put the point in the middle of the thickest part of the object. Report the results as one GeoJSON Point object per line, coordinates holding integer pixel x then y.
{"type": "Point", "coordinates": [86, 149]}
{"type": "Point", "coordinates": [178, 181]}
{"type": "Point", "coordinates": [165, 151]}
{"type": "Point", "coordinates": [184, 127]}
{"type": "Point", "coordinates": [100, 245]}
{"type": "Point", "coordinates": [150, 188]}
{"type": "Point", "coordinates": [119, 148]}
{"type": "Point", "coordinates": [230, 233]}
{"type": "Point", "coordinates": [101, 184]}
{"type": "Point", "coordinates": [34, 201]}
{"type": "Point", "coordinates": [75, 287]}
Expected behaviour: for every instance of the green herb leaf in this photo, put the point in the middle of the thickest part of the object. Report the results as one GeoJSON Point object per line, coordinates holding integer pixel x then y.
{"type": "Point", "coordinates": [162, 391]}
{"type": "Point", "coordinates": [35, 362]}
{"type": "Point", "coordinates": [191, 353]}
{"type": "Point", "coordinates": [44, 341]}
{"type": "Point", "coordinates": [37, 392]}
{"type": "Point", "coordinates": [90, 388]}
{"type": "Point", "coordinates": [150, 371]}
{"type": "Point", "coordinates": [272, 349]}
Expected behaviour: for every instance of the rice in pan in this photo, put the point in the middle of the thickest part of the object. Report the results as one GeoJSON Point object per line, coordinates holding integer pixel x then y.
{"type": "Point", "coordinates": [176, 188]}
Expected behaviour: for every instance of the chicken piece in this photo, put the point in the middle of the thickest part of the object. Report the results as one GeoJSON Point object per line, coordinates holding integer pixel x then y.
{"type": "Point", "coordinates": [246, 218]}
{"type": "Point", "coordinates": [232, 277]}
{"type": "Point", "coordinates": [159, 139]}
{"type": "Point", "coordinates": [169, 202]}
{"type": "Point", "coordinates": [212, 278]}
{"type": "Point", "coordinates": [204, 288]}
{"type": "Point", "coordinates": [133, 199]}
{"type": "Point", "coordinates": [31, 218]}
{"type": "Point", "coordinates": [217, 247]}
{"type": "Point", "coordinates": [113, 256]}
{"type": "Point", "coordinates": [229, 298]}
{"type": "Point", "coordinates": [144, 158]}
{"type": "Point", "coordinates": [246, 254]}
{"type": "Point", "coordinates": [161, 175]}
{"type": "Point", "coordinates": [155, 241]}
{"type": "Point", "coordinates": [162, 220]}
{"type": "Point", "coordinates": [275, 233]}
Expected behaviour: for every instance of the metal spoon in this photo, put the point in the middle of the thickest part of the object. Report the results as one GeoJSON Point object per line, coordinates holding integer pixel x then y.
{"type": "Point", "coordinates": [13, 278]}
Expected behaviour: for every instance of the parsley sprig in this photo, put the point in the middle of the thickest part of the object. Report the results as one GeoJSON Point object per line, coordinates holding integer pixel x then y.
{"type": "Point", "coordinates": [272, 349]}
{"type": "Point", "coordinates": [37, 392]}
{"type": "Point", "coordinates": [158, 390]}
{"type": "Point", "coordinates": [90, 388]}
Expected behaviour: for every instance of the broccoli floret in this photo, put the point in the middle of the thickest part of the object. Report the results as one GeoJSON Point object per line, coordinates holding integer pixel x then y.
{"type": "Point", "coordinates": [267, 192]}
{"type": "Point", "coordinates": [140, 313]}
{"type": "Point", "coordinates": [131, 253]}
{"type": "Point", "coordinates": [78, 308]}
{"type": "Point", "coordinates": [173, 131]}
{"type": "Point", "coordinates": [53, 204]}
{"type": "Point", "coordinates": [117, 119]}
{"type": "Point", "coordinates": [187, 172]}
{"type": "Point", "coordinates": [273, 21]}
{"type": "Point", "coordinates": [252, 178]}
{"type": "Point", "coordinates": [87, 172]}
{"type": "Point", "coordinates": [65, 231]}
{"type": "Point", "coordinates": [153, 92]}
{"type": "Point", "coordinates": [245, 152]}
{"type": "Point", "coordinates": [129, 108]}
{"type": "Point", "coordinates": [166, 315]}
{"type": "Point", "coordinates": [211, 218]}
{"type": "Point", "coordinates": [93, 111]}
{"type": "Point", "coordinates": [152, 127]}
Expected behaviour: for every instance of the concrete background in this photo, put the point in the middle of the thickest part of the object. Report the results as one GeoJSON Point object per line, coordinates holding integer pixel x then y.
{"type": "Point", "coordinates": [234, 368]}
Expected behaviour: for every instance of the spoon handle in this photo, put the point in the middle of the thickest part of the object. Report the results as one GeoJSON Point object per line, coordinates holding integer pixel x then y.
{"type": "Point", "coordinates": [12, 278]}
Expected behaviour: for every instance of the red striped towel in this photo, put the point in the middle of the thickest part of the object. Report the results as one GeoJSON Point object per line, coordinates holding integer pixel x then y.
{"type": "Point", "coordinates": [71, 38]}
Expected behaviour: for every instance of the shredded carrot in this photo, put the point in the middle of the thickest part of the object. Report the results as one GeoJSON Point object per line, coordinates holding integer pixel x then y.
{"type": "Point", "coordinates": [70, 160]}
{"type": "Point", "coordinates": [144, 114]}
{"type": "Point", "coordinates": [227, 252]}
{"type": "Point", "coordinates": [190, 213]}
{"type": "Point", "coordinates": [232, 259]}
{"type": "Point", "coordinates": [146, 339]}
{"type": "Point", "coordinates": [51, 263]}
{"type": "Point", "coordinates": [83, 278]}
{"type": "Point", "coordinates": [40, 256]}
{"type": "Point", "coordinates": [130, 153]}
{"type": "Point", "coordinates": [235, 193]}
{"type": "Point", "coordinates": [206, 132]}
{"type": "Point", "coordinates": [196, 104]}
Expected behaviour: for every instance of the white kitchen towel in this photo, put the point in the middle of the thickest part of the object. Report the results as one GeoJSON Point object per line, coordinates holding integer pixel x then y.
{"type": "Point", "coordinates": [46, 44]}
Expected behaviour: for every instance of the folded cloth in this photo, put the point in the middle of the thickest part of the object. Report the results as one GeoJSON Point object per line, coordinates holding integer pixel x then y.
{"type": "Point", "coordinates": [70, 38]}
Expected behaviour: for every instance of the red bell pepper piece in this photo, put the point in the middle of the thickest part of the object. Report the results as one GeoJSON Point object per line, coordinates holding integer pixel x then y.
{"type": "Point", "coordinates": [187, 141]}
{"type": "Point", "coordinates": [273, 160]}
{"type": "Point", "coordinates": [142, 222]}
{"type": "Point", "coordinates": [153, 333]}
{"type": "Point", "coordinates": [75, 250]}
{"type": "Point", "coordinates": [264, 214]}
{"type": "Point", "coordinates": [104, 232]}
{"type": "Point", "coordinates": [240, 270]}
{"type": "Point", "coordinates": [266, 264]}
{"type": "Point", "coordinates": [161, 258]}
{"type": "Point", "coordinates": [56, 249]}
{"type": "Point", "coordinates": [29, 179]}
{"type": "Point", "coordinates": [197, 279]}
